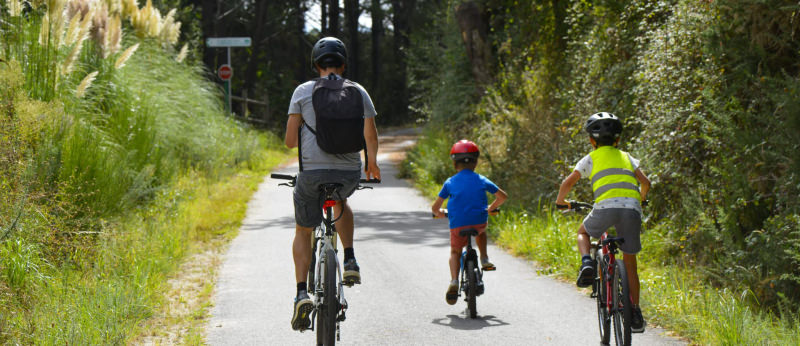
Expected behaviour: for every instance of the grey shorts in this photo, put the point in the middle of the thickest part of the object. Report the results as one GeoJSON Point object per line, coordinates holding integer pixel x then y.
{"type": "Point", "coordinates": [627, 222]}
{"type": "Point", "coordinates": [308, 199]}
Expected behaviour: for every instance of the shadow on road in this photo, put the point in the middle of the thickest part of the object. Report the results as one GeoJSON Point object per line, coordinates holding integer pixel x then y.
{"type": "Point", "coordinates": [411, 228]}
{"type": "Point", "coordinates": [464, 323]}
{"type": "Point", "coordinates": [416, 228]}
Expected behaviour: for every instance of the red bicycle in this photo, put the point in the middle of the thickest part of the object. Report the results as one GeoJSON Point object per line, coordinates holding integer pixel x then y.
{"type": "Point", "coordinates": [610, 288]}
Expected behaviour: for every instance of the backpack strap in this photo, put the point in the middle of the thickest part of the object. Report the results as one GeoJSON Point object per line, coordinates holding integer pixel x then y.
{"type": "Point", "coordinates": [300, 146]}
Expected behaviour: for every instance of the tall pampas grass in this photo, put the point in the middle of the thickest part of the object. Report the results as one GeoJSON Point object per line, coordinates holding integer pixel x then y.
{"type": "Point", "coordinates": [183, 53]}
{"type": "Point", "coordinates": [14, 8]}
{"type": "Point", "coordinates": [129, 8]}
{"type": "Point", "coordinates": [125, 56]}
{"type": "Point", "coordinates": [113, 36]}
{"type": "Point", "coordinates": [85, 84]}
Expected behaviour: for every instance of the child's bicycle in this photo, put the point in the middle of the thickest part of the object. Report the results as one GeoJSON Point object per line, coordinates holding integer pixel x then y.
{"type": "Point", "coordinates": [610, 287]}
{"type": "Point", "coordinates": [471, 282]}
{"type": "Point", "coordinates": [325, 276]}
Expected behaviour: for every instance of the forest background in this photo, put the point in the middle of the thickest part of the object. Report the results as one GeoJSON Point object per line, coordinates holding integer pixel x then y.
{"type": "Point", "coordinates": [707, 91]}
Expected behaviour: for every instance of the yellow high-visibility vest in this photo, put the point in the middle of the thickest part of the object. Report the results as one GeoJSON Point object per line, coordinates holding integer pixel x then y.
{"type": "Point", "coordinates": [612, 174]}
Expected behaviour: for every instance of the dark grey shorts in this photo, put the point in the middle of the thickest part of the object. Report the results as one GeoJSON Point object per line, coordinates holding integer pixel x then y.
{"type": "Point", "coordinates": [627, 222]}
{"type": "Point", "coordinates": [308, 199]}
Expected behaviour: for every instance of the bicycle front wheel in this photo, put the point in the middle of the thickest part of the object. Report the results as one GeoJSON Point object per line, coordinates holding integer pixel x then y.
{"type": "Point", "coordinates": [472, 289]}
{"type": "Point", "coordinates": [621, 302]}
{"type": "Point", "coordinates": [326, 318]}
{"type": "Point", "coordinates": [603, 319]}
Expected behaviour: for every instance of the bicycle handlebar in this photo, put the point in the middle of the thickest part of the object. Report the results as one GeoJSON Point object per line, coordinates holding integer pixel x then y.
{"type": "Point", "coordinates": [293, 178]}
{"type": "Point", "coordinates": [579, 206]}
{"type": "Point", "coordinates": [497, 210]}
{"type": "Point", "coordinates": [281, 176]}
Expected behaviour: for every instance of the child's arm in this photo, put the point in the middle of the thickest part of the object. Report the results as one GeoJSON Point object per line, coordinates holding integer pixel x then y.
{"type": "Point", "coordinates": [567, 185]}
{"type": "Point", "coordinates": [500, 197]}
{"type": "Point", "coordinates": [644, 182]}
{"type": "Point", "coordinates": [437, 205]}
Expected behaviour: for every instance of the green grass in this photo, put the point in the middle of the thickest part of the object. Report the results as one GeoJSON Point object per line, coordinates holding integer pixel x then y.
{"type": "Point", "coordinates": [674, 296]}
{"type": "Point", "coordinates": [103, 195]}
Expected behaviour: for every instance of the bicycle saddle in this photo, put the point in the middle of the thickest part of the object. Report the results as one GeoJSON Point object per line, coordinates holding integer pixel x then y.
{"type": "Point", "coordinates": [330, 186]}
{"type": "Point", "coordinates": [468, 232]}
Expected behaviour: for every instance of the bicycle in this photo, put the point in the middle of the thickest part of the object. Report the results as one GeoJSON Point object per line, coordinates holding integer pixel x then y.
{"type": "Point", "coordinates": [471, 282]}
{"type": "Point", "coordinates": [325, 277]}
{"type": "Point", "coordinates": [610, 288]}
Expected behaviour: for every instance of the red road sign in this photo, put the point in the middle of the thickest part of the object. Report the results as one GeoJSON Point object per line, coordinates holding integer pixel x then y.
{"type": "Point", "coordinates": [225, 72]}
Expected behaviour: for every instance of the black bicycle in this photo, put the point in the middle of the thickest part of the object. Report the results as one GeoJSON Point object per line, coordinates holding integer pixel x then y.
{"type": "Point", "coordinates": [325, 276]}
{"type": "Point", "coordinates": [471, 282]}
{"type": "Point", "coordinates": [610, 287]}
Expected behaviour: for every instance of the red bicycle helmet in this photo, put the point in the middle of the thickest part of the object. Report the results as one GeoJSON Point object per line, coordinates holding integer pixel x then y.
{"type": "Point", "coordinates": [464, 151]}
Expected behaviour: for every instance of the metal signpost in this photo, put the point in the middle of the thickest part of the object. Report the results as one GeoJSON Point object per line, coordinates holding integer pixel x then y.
{"type": "Point", "coordinates": [225, 72]}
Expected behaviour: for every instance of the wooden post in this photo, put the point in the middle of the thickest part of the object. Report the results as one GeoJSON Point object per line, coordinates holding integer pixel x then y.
{"type": "Point", "coordinates": [266, 106]}
{"type": "Point", "coordinates": [245, 110]}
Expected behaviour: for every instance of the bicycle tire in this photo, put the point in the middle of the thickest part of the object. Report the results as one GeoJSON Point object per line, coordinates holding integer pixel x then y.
{"type": "Point", "coordinates": [622, 305]}
{"type": "Point", "coordinates": [603, 318]}
{"type": "Point", "coordinates": [326, 318]}
{"type": "Point", "coordinates": [472, 289]}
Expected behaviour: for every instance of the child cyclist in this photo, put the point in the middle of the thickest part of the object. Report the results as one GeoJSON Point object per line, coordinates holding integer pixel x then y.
{"type": "Point", "coordinates": [466, 208]}
{"type": "Point", "coordinates": [619, 186]}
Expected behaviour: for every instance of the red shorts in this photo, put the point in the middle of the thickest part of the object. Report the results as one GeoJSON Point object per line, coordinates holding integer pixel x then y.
{"type": "Point", "coordinates": [457, 241]}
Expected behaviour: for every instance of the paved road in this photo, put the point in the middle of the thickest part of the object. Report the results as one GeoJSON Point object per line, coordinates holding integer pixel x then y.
{"type": "Point", "coordinates": [403, 255]}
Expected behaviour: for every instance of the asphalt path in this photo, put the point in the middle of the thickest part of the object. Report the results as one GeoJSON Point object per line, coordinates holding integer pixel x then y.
{"type": "Point", "coordinates": [403, 255]}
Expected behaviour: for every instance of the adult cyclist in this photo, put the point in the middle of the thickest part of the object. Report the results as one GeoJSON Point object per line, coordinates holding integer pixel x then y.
{"type": "Point", "coordinates": [328, 58]}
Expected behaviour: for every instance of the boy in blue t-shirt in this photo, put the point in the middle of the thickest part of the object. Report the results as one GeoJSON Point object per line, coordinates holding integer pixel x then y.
{"type": "Point", "coordinates": [466, 208]}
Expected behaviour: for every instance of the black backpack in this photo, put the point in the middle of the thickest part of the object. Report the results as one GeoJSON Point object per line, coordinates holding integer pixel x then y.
{"type": "Point", "coordinates": [339, 109]}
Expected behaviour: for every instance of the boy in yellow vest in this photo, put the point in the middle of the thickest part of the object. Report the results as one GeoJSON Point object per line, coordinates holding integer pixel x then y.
{"type": "Point", "coordinates": [619, 186]}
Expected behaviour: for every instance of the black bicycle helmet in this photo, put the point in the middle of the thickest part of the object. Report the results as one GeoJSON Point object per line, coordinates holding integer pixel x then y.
{"type": "Point", "coordinates": [328, 49]}
{"type": "Point", "coordinates": [603, 125]}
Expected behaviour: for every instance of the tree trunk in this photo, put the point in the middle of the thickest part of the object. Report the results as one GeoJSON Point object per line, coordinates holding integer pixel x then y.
{"type": "Point", "coordinates": [301, 68]}
{"type": "Point", "coordinates": [352, 12]}
{"type": "Point", "coordinates": [258, 31]}
{"type": "Point", "coordinates": [561, 27]}
{"type": "Point", "coordinates": [377, 37]}
{"type": "Point", "coordinates": [333, 18]}
{"type": "Point", "coordinates": [323, 25]}
{"type": "Point", "coordinates": [403, 10]}
{"type": "Point", "coordinates": [209, 25]}
{"type": "Point", "coordinates": [474, 31]}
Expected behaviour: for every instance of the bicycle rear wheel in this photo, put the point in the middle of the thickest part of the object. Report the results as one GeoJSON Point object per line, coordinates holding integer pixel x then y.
{"type": "Point", "coordinates": [621, 301]}
{"type": "Point", "coordinates": [326, 317]}
{"type": "Point", "coordinates": [603, 318]}
{"type": "Point", "coordinates": [472, 289]}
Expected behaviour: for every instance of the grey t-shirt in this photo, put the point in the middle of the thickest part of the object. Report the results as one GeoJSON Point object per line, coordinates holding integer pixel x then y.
{"type": "Point", "coordinates": [313, 156]}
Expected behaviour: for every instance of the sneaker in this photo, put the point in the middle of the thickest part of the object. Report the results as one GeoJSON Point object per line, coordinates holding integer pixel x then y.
{"type": "Point", "coordinates": [302, 309]}
{"type": "Point", "coordinates": [452, 293]}
{"type": "Point", "coordinates": [351, 275]}
{"type": "Point", "coordinates": [487, 265]}
{"type": "Point", "coordinates": [637, 321]}
{"type": "Point", "coordinates": [586, 275]}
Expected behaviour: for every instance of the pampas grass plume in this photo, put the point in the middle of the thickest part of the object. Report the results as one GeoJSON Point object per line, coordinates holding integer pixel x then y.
{"type": "Point", "coordinates": [85, 84]}
{"type": "Point", "coordinates": [183, 53]}
{"type": "Point", "coordinates": [125, 56]}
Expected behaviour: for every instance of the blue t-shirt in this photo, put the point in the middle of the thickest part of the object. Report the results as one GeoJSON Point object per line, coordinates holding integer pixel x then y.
{"type": "Point", "coordinates": [467, 193]}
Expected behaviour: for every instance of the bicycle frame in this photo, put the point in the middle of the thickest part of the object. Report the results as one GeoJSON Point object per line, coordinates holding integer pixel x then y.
{"type": "Point", "coordinates": [610, 254]}
{"type": "Point", "coordinates": [470, 255]}
{"type": "Point", "coordinates": [325, 239]}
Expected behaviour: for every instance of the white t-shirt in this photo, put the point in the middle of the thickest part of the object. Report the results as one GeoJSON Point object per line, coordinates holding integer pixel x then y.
{"type": "Point", "coordinates": [584, 167]}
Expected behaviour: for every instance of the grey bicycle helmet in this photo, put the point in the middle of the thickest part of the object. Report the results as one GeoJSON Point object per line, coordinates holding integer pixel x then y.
{"type": "Point", "coordinates": [603, 125]}
{"type": "Point", "coordinates": [329, 50]}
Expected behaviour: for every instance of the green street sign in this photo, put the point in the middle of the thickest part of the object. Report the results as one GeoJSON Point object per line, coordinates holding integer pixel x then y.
{"type": "Point", "coordinates": [228, 42]}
